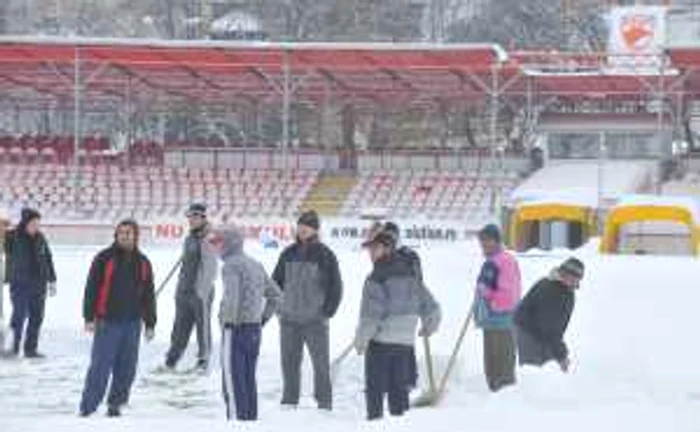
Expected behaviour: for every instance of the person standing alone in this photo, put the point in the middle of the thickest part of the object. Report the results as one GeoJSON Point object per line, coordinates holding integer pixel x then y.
{"type": "Point", "coordinates": [309, 276]}
{"type": "Point", "coordinates": [31, 274]}
{"type": "Point", "coordinates": [119, 296]}
{"type": "Point", "coordinates": [194, 294]}
{"type": "Point", "coordinates": [497, 295]}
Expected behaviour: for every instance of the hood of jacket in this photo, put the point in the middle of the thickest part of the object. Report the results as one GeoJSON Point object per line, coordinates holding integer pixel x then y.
{"type": "Point", "coordinates": [233, 241]}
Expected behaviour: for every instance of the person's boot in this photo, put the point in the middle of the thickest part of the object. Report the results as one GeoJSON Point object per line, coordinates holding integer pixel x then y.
{"type": "Point", "coordinates": [15, 346]}
{"type": "Point", "coordinates": [34, 355]}
{"type": "Point", "coordinates": [114, 411]}
{"type": "Point", "coordinates": [202, 367]}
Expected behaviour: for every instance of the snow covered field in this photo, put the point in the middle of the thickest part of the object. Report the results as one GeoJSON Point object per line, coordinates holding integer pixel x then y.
{"type": "Point", "coordinates": [633, 336]}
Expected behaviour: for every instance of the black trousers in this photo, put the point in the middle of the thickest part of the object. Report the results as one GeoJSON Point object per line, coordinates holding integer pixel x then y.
{"type": "Point", "coordinates": [28, 304]}
{"type": "Point", "coordinates": [389, 370]}
{"type": "Point", "coordinates": [191, 312]}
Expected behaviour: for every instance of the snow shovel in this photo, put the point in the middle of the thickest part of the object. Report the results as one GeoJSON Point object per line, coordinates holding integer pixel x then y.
{"type": "Point", "coordinates": [335, 365]}
{"type": "Point", "coordinates": [427, 397]}
{"type": "Point", "coordinates": [432, 397]}
{"type": "Point", "coordinates": [169, 276]}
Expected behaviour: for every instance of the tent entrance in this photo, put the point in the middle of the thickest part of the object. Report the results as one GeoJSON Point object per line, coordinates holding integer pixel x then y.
{"type": "Point", "coordinates": [551, 234]}
{"type": "Point", "coordinates": [655, 237]}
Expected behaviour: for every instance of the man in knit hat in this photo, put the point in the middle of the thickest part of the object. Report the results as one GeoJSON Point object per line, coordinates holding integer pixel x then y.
{"type": "Point", "coordinates": [194, 293]}
{"type": "Point", "coordinates": [497, 295]}
{"type": "Point", "coordinates": [309, 276]}
{"type": "Point", "coordinates": [543, 316]}
{"type": "Point", "coordinates": [31, 274]}
{"type": "Point", "coordinates": [394, 300]}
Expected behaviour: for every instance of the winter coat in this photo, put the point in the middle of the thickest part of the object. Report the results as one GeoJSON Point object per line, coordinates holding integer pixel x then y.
{"type": "Point", "coordinates": [120, 287]}
{"type": "Point", "coordinates": [309, 276]}
{"type": "Point", "coordinates": [498, 291]}
{"type": "Point", "coordinates": [544, 314]}
{"type": "Point", "coordinates": [393, 300]}
{"type": "Point", "coordinates": [28, 259]}
{"type": "Point", "coordinates": [199, 266]}
{"type": "Point", "coordinates": [250, 295]}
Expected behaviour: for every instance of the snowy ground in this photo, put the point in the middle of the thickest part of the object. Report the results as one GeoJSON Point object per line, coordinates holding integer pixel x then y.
{"type": "Point", "coordinates": [633, 336]}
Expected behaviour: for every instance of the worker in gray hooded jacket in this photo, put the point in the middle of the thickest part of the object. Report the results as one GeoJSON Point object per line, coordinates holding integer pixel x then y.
{"type": "Point", "coordinates": [250, 299]}
{"type": "Point", "coordinates": [393, 301]}
{"type": "Point", "coordinates": [195, 292]}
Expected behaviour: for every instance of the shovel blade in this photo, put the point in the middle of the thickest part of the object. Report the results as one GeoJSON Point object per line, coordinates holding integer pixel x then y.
{"type": "Point", "coordinates": [427, 399]}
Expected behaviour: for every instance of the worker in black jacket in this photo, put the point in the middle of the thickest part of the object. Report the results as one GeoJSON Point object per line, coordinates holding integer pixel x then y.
{"type": "Point", "coordinates": [119, 296]}
{"type": "Point", "coordinates": [31, 274]}
{"type": "Point", "coordinates": [312, 288]}
{"type": "Point", "coordinates": [543, 316]}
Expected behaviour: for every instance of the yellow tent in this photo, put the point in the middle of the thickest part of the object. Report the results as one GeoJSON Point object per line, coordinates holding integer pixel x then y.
{"type": "Point", "coordinates": [525, 213]}
{"type": "Point", "coordinates": [680, 210]}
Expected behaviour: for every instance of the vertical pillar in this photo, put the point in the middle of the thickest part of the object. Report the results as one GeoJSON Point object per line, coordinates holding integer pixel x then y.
{"type": "Point", "coordinates": [286, 104]}
{"type": "Point", "coordinates": [77, 127]}
{"type": "Point", "coordinates": [602, 149]}
{"type": "Point", "coordinates": [129, 126]}
{"type": "Point", "coordinates": [662, 146]}
{"type": "Point", "coordinates": [493, 136]}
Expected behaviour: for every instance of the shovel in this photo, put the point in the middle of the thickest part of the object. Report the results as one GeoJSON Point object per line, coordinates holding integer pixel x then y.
{"type": "Point", "coordinates": [433, 396]}
{"type": "Point", "coordinates": [335, 364]}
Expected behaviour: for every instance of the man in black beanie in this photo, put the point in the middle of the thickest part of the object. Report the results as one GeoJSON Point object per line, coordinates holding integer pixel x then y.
{"type": "Point", "coordinates": [31, 274]}
{"type": "Point", "coordinates": [309, 276]}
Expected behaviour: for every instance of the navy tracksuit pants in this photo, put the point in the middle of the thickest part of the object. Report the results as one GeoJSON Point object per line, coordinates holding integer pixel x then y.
{"type": "Point", "coordinates": [28, 304]}
{"type": "Point", "coordinates": [115, 353]}
{"type": "Point", "coordinates": [389, 370]}
{"type": "Point", "coordinates": [239, 357]}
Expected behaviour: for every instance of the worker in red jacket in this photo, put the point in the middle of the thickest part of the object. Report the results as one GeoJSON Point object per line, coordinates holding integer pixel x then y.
{"type": "Point", "coordinates": [119, 297]}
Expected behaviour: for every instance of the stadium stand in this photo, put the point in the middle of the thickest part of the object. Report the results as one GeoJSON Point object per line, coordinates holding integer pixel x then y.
{"type": "Point", "coordinates": [458, 195]}
{"type": "Point", "coordinates": [108, 192]}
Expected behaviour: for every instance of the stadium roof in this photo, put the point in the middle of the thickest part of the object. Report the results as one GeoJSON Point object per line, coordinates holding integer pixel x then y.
{"type": "Point", "coordinates": [222, 70]}
{"type": "Point", "coordinates": [152, 71]}
{"type": "Point", "coordinates": [688, 61]}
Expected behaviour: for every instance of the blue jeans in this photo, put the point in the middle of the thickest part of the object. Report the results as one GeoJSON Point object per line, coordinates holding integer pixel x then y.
{"type": "Point", "coordinates": [115, 353]}
{"type": "Point", "coordinates": [239, 358]}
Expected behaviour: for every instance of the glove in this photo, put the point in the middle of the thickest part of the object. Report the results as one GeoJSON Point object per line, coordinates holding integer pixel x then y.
{"type": "Point", "coordinates": [90, 327]}
{"type": "Point", "coordinates": [51, 287]}
{"type": "Point", "coordinates": [360, 347]}
{"type": "Point", "coordinates": [429, 327]}
{"type": "Point", "coordinates": [150, 334]}
{"type": "Point", "coordinates": [564, 365]}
